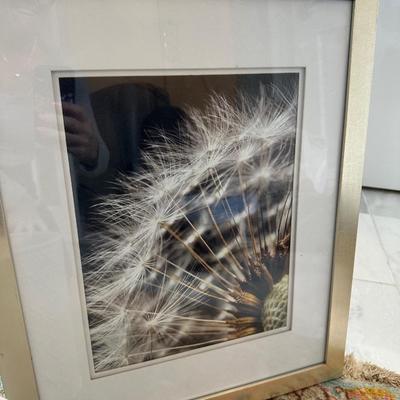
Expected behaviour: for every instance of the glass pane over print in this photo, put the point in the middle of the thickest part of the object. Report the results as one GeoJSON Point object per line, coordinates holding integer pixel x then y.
{"type": "Point", "coordinates": [183, 189]}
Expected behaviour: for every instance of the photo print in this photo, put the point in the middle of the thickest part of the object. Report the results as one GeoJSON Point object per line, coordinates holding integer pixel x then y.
{"type": "Point", "coordinates": [184, 193]}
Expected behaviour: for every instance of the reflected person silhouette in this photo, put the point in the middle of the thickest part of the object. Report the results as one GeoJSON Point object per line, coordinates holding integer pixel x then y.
{"type": "Point", "coordinates": [81, 138]}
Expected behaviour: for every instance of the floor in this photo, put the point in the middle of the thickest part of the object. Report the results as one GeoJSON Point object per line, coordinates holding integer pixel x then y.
{"type": "Point", "coordinates": [374, 327]}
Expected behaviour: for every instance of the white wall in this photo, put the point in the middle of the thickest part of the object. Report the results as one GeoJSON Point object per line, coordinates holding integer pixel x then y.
{"type": "Point", "coordinates": [382, 162]}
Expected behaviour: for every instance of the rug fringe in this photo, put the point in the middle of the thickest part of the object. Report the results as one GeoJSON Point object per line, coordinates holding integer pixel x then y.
{"type": "Point", "coordinates": [358, 370]}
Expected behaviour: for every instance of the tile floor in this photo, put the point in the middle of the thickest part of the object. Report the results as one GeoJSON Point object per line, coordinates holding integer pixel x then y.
{"type": "Point", "coordinates": [374, 327]}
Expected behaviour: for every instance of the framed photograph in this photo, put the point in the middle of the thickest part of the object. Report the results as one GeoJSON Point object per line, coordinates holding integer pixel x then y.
{"type": "Point", "coordinates": [180, 185]}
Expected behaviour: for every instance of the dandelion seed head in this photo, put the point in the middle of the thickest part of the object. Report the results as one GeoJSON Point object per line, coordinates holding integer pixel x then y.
{"type": "Point", "coordinates": [188, 252]}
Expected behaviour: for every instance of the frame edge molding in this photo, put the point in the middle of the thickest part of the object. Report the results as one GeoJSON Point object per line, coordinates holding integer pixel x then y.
{"type": "Point", "coordinates": [361, 65]}
{"type": "Point", "coordinates": [16, 366]}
